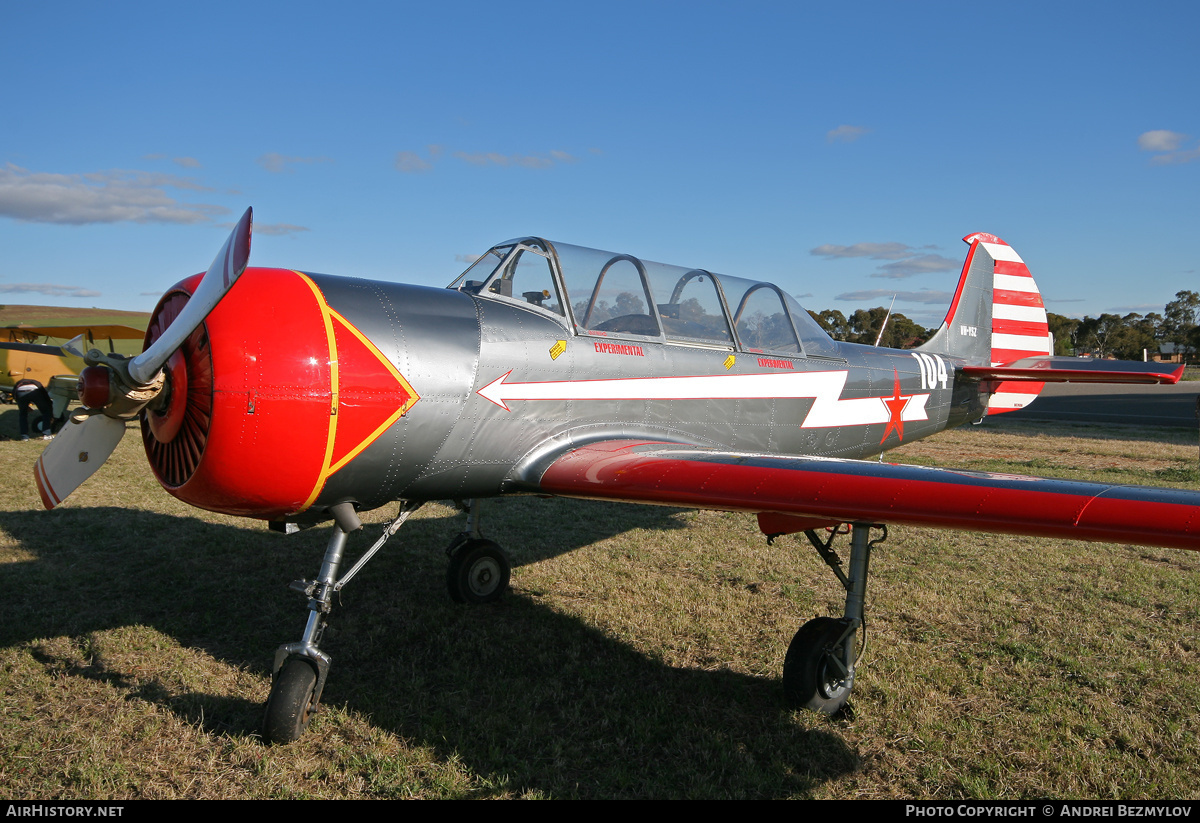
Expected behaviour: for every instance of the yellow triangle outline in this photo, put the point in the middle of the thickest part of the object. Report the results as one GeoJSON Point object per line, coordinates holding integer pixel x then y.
{"type": "Point", "coordinates": [330, 316]}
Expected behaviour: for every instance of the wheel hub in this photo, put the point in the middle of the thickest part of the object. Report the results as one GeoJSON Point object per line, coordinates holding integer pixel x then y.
{"type": "Point", "coordinates": [484, 575]}
{"type": "Point", "coordinates": [831, 684]}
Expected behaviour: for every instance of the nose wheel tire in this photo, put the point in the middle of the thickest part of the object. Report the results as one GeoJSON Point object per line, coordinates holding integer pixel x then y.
{"type": "Point", "coordinates": [288, 709]}
{"type": "Point", "coordinates": [478, 572]}
{"type": "Point", "coordinates": [813, 671]}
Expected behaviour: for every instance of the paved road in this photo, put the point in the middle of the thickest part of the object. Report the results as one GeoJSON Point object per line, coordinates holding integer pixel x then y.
{"type": "Point", "coordinates": [1099, 403]}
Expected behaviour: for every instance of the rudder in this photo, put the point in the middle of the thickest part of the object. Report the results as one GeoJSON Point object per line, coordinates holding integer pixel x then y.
{"type": "Point", "coordinates": [996, 317]}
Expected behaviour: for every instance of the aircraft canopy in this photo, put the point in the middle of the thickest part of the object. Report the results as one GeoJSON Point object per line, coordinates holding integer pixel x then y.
{"type": "Point", "coordinates": [618, 294]}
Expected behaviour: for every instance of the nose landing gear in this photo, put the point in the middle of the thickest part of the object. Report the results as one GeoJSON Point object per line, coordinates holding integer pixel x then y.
{"type": "Point", "coordinates": [301, 668]}
{"type": "Point", "coordinates": [478, 573]}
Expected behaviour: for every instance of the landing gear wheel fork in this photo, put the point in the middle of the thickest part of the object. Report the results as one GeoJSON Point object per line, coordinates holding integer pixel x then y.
{"type": "Point", "coordinates": [292, 702]}
{"type": "Point", "coordinates": [815, 674]}
{"type": "Point", "coordinates": [301, 668]}
{"type": "Point", "coordinates": [818, 672]}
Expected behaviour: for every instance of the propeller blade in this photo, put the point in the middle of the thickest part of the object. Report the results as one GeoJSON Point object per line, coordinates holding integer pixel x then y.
{"type": "Point", "coordinates": [74, 456]}
{"type": "Point", "coordinates": [226, 268]}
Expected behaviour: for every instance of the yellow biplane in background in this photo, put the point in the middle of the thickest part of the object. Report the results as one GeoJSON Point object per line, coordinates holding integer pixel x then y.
{"type": "Point", "coordinates": [28, 353]}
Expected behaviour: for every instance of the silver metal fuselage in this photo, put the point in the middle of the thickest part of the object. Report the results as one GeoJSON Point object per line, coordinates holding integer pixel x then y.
{"type": "Point", "coordinates": [456, 443]}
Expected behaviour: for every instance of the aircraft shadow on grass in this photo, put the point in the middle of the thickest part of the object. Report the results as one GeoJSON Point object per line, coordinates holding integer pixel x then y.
{"type": "Point", "coordinates": [1179, 409]}
{"type": "Point", "coordinates": [604, 719]}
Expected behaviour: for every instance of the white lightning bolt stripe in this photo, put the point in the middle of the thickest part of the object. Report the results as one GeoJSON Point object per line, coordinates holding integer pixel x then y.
{"type": "Point", "coordinates": [825, 388]}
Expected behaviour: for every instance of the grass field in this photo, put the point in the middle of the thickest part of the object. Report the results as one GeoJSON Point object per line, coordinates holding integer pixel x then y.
{"type": "Point", "coordinates": [637, 654]}
{"type": "Point", "coordinates": [49, 316]}
{"type": "Point", "coordinates": [11, 315]}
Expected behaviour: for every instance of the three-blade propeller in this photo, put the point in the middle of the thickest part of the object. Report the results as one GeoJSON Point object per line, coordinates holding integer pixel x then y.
{"type": "Point", "coordinates": [114, 389]}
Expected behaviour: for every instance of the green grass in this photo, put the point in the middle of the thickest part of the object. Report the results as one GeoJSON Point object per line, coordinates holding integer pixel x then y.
{"type": "Point", "coordinates": [11, 315]}
{"type": "Point", "coordinates": [637, 654]}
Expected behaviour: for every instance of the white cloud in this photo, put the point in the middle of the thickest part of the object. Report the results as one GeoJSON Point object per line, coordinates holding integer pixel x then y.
{"type": "Point", "coordinates": [531, 161]}
{"type": "Point", "coordinates": [48, 289]}
{"type": "Point", "coordinates": [410, 162]}
{"type": "Point", "coordinates": [482, 159]}
{"type": "Point", "coordinates": [1168, 146]}
{"type": "Point", "coordinates": [925, 296]}
{"type": "Point", "coordinates": [906, 260]}
{"type": "Point", "coordinates": [276, 229]}
{"type": "Point", "coordinates": [187, 162]}
{"type": "Point", "coordinates": [1160, 140]}
{"type": "Point", "coordinates": [876, 251]}
{"type": "Point", "coordinates": [918, 264]}
{"type": "Point", "coordinates": [845, 134]}
{"type": "Point", "coordinates": [277, 163]}
{"type": "Point", "coordinates": [525, 161]}
{"type": "Point", "coordinates": [99, 197]}
{"type": "Point", "coordinates": [1140, 308]}
{"type": "Point", "coordinates": [1178, 156]}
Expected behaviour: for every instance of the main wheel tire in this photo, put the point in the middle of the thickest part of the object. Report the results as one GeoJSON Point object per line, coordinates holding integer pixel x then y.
{"type": "Point", "coordinates": [478, 572]}
{"type": "Point", "coordinates": [288, 708]}
{"type": "Point", "coordinates": [811, 680]}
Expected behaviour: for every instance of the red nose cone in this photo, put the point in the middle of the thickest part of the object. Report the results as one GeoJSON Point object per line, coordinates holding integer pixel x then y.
{"type": "Point", "coordinates": [93, 387]}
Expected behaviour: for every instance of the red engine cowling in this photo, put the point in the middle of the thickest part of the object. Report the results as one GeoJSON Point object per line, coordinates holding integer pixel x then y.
{"type": "Point", "coordinates": [273, 393]}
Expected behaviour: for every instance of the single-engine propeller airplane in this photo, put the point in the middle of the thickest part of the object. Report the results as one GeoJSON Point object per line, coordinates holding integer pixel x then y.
{"type": "Point", "coordinates": [559, 370]}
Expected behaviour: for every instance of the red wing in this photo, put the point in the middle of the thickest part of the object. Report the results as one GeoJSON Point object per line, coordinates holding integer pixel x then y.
{"type": "Point", "coordinates": [850, 490]}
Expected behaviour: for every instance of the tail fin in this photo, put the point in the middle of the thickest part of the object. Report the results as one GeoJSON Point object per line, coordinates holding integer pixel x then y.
{"type": "Point", "coordinates": [997, 317]}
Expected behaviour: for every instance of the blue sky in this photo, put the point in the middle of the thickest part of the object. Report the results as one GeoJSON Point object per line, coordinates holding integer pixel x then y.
{"type": "Point", "coordinates": [840, 150]}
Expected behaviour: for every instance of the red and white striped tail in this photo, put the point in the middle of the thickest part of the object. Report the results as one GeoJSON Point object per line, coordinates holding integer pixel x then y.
{"type": "Point", "coordinates": [1019, 327]}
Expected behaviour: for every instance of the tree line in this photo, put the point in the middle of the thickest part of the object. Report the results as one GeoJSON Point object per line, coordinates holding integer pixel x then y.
{"type": "Point", "coordinates": [1108, 335]}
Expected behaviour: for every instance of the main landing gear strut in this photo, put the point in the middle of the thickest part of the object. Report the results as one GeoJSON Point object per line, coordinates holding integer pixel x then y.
{"type": "Point", "coordinates": [479, 570]}
{"type": "Point", "coordinates": [478, 573]}
{"type": "Point", "coordinates": [818, 671]}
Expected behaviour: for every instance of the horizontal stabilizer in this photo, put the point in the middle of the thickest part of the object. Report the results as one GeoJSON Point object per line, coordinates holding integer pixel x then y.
{"type": "Point", "coordinates": [1076, 370]}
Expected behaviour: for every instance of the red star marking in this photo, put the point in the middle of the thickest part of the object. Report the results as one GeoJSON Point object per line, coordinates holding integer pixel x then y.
{"type": "Point", "coordinates": [895, 406]}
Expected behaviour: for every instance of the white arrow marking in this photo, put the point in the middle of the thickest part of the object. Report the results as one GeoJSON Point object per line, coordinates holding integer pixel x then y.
{"type": "Point", "coordinates": [825, 387]}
